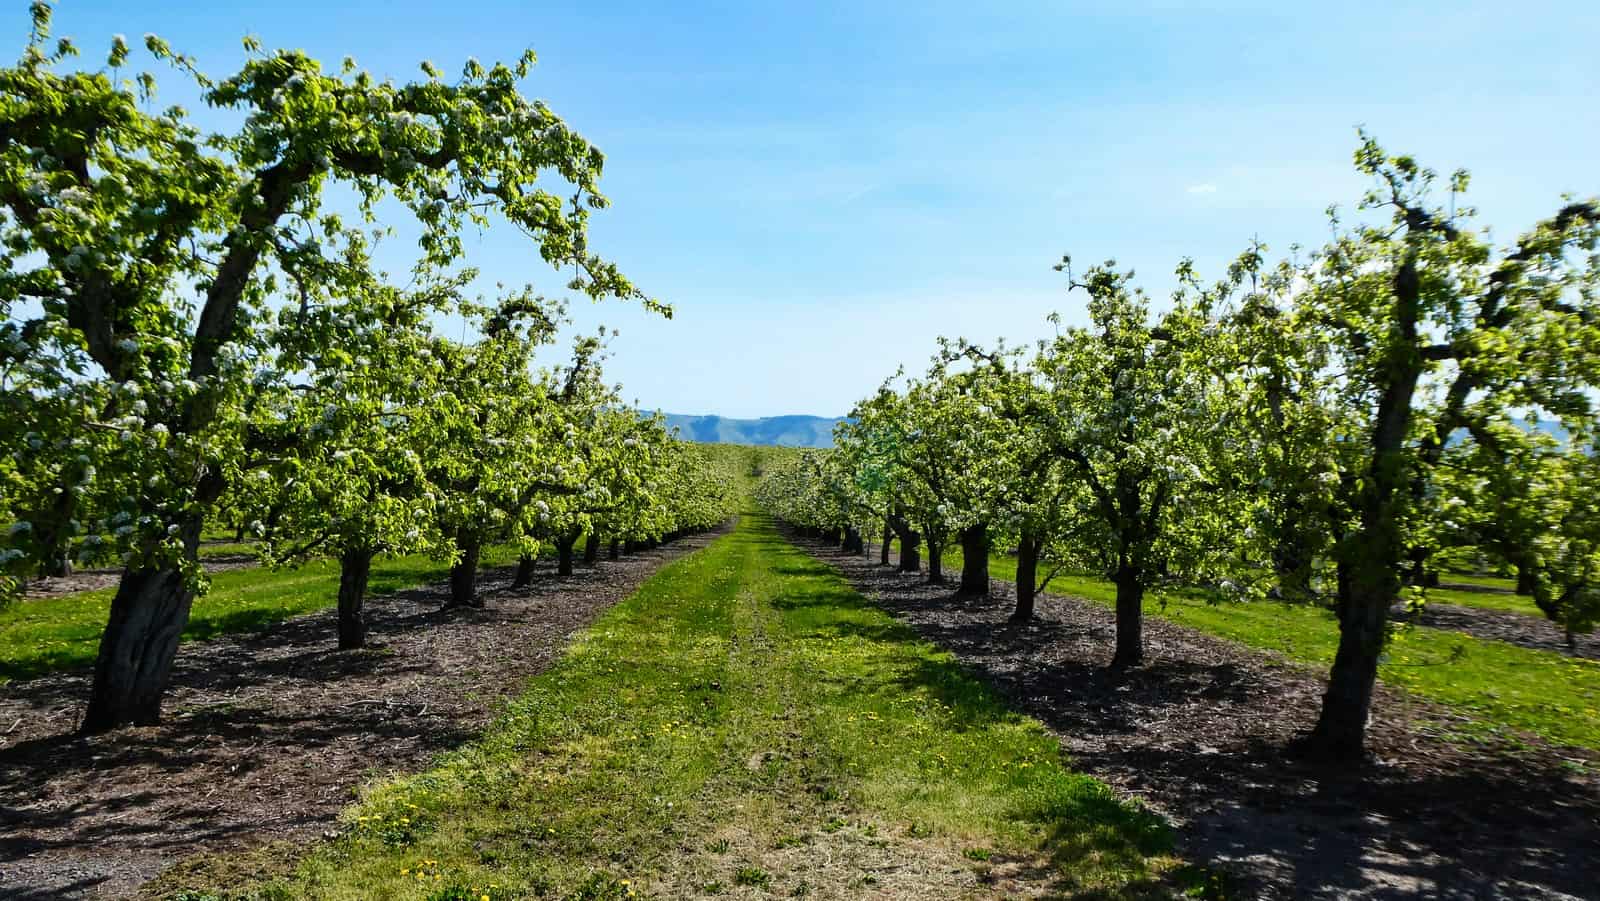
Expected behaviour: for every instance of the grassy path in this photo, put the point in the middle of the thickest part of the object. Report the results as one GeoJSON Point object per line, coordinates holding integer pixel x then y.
{"type": "Point", "coordinates": [745, 725]}
{"type": "Point", "coordinates": [1497, 687]}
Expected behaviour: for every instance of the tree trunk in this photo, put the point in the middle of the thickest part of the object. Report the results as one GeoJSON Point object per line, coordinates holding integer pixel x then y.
{"type": "Point", "coordinates": [910, 556]}
{"type": "Point", "coordinates": [910, 544]}
{"type": "Point", "coordinates": [935, 562]}
{"type": "Point", "coordinates": [524, 576]}
{"type": "Point", "coordinates": [883, 548]}
{"type": "Point", "coordinates": [464, 573]}
{"type": "Point", "coordinates": [1363, 614]}
{"type": "Point", "coordinates": [148, 614]}
{"type": "Point", "coordinates": [564, 546]}
{"type": "Point", "coordinates": [591, 548]}
{"type": "Point", "coordinates": [1130, 617]}
{"type": "Point", "coordinates": [355, 566]}
{"type": "Point", "coordinates": [975, 560]}
{"type": "Point", "coordinates": [852, 541]}
{"type": "Point", "coordinates": [1527, 579]}
{"type": "Point", "coordinates": [1027, 577]}
{"type": "Point", "coordinates": [615, 551]}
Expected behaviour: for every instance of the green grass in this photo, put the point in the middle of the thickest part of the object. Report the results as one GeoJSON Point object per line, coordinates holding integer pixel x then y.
{"type": "Point", "coordinates": [1505, 600]}
{"type": "Point", "coordinates": [1499, 583]}
{"type": "Point", "coordinates": [227, 549]}
{"type": "Point", "coordinates": [1502, 688]}
{"type": "Point", "coordinates": [745, 722]}
{"type": "Point", "coordinates": [49, 634]}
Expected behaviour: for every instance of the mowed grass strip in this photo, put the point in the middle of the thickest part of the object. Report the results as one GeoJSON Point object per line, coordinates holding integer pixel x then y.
{"type": "Point", "coordinates": [744, 725]}
{"type": "Point", "coordinates": [39, 636]}
{"type": "Point", "coordinates": [1500, 688]}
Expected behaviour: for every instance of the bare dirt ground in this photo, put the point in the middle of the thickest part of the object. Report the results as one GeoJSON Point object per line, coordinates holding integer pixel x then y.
{"type": "Point", "coordinates": [1534, 632]}
{"type": "Point", "coordinates": [96, 579]}
{"type": "Point", "coordinates": [1199, 733]}
{"type": "Point", "coordinates": [269, 734]}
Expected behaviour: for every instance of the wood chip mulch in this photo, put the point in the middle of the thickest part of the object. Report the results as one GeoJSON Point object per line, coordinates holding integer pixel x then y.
{"type": "Point", "coordinates": [268, 735]}
{"type": "Point", "coordinates": [1200, 731]}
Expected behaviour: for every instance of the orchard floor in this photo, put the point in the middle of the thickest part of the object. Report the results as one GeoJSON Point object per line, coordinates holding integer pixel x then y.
{"type": "Point", "coordinates": [1199, 733]}
{"type": "Point", "coordinates": [1520, 629]}
{"type": "Point", "coordinates": [268, 734]}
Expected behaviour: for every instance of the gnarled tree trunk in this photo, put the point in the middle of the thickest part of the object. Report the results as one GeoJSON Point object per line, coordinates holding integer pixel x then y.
{"type": "Point", "coordinates": [148, 614]}
{"type": "Point", "coordinates": [883, 546]}
{"type": "Point", "coordinates": [975, 560]}
{"type": "Point", "coordinates": [935, 562]}
{"type": "Point", "coordinates": [355, 567]}
{"type": "Point", "coordinates": [591, 548]}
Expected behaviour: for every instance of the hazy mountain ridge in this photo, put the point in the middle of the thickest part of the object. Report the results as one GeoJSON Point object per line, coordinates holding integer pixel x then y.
{"type": "Point", "coordinates": [781, 431]}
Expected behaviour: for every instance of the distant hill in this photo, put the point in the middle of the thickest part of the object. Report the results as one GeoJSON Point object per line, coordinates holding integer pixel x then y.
{"type": "Point", "coordinates": [782, 431]}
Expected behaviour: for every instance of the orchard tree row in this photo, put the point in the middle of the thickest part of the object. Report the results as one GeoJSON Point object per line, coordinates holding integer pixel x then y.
{"type": "Point", "coordinates": [195, 331]}
{"type": "Point", "coordinates": [1331, 428]}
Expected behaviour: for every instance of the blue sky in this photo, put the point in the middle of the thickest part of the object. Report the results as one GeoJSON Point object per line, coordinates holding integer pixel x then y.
{"type": "Point", "coordinates": [821, 190]}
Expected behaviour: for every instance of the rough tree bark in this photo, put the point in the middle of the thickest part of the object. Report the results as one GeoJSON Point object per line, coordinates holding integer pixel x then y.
{"type": "Point", "coordinates": [883, 546]}
{"type": "Point", "coordinates": [975, 560]}
{"type": "Point", "coordinates": [148, 614]}
{"type": "Point", "coordinates": [355, 567]}
{"type": "Point", "coordinates": [591, 548]}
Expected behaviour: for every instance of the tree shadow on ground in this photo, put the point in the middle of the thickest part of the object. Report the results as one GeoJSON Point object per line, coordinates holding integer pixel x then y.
{"type": "Point", "coordinates": [268, 733]}
{"type": "Point", "coordinates": [1200, 732]}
